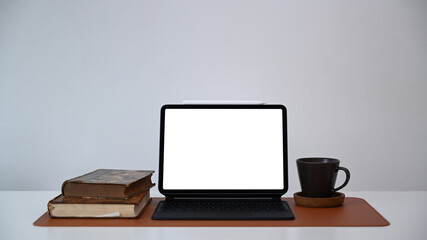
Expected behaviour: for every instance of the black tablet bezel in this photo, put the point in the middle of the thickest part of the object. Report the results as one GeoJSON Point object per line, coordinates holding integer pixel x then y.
{"type": "Point", "coordinates": [224, 192]}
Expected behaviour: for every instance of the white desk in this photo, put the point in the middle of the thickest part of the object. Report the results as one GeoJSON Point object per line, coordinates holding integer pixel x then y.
{"type": "Point", "coordinates": [406, 211]}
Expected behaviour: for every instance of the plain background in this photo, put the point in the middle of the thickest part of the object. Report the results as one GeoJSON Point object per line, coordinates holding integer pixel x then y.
{"type": "Point", "coordinates": [82, 82]}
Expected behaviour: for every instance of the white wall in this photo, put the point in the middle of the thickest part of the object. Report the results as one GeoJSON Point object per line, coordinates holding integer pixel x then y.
{"type": "Point", "coordinates": [82, 82]}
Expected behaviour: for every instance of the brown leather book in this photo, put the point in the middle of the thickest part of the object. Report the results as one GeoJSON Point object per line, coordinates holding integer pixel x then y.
{"type": "Point", "coordinates": [69, 207]}
{"type": "Point", "coordinates": [108, 184]}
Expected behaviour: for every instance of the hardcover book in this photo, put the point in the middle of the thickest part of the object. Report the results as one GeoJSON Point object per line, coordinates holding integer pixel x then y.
{"type": "Point", "coordinates": [69, 207]}
{"type": "Point", "coordinates": [108, 184]}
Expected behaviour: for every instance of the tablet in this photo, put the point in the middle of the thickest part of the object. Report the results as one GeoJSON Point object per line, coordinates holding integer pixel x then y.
{"type": "Point", "coordinates": [223, 150]}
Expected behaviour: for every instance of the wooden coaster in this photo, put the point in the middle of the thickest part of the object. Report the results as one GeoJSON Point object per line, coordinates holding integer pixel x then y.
{"type": "Point", "coordinates": [336, 200]}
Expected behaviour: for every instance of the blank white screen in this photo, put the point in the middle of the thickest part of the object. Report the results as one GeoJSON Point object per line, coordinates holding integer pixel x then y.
{"type": "Point", "coordinates": [223, 149]}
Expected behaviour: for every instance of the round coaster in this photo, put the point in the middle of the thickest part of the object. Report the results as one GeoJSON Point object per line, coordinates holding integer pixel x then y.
{"type": "Point", "coordinates": [336, 200]}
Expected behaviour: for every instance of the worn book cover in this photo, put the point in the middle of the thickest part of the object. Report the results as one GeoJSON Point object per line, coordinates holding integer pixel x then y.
{"type": "Point", "coordinates": [69, 207]}
{"type": "Point", "coordinates": [108, 183]}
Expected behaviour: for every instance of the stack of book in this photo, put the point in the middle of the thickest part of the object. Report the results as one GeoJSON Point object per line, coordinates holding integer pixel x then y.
{"type": "Point", "coordinates": [103, 193]}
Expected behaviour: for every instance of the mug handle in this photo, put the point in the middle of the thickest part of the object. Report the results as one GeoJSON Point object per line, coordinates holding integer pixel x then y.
{"type": "Point", "coordinates": [347, 178]}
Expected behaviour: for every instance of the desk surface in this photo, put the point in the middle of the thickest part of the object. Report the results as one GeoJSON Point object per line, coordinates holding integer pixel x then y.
{"type": "Point", "coordinates": [406, 212]}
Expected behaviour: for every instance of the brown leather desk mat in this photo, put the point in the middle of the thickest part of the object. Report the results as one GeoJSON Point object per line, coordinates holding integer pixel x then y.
{"type": "Point", "coordinates": [355, 212]}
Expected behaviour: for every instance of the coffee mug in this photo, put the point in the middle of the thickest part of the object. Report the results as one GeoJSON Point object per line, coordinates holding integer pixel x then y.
{"type": "Point", "coordinates": [317, 176]}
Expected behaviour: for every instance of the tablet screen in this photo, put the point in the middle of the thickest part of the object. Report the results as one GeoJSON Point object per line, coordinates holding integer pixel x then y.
{"type": "Point", "coordinates": [223, 149]}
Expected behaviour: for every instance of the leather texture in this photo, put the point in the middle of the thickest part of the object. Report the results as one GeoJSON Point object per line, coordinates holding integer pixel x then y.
{"type": "Point", "coordinates": [355, 212]}
{"type": "Point", "coordinates": [108, 183]}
